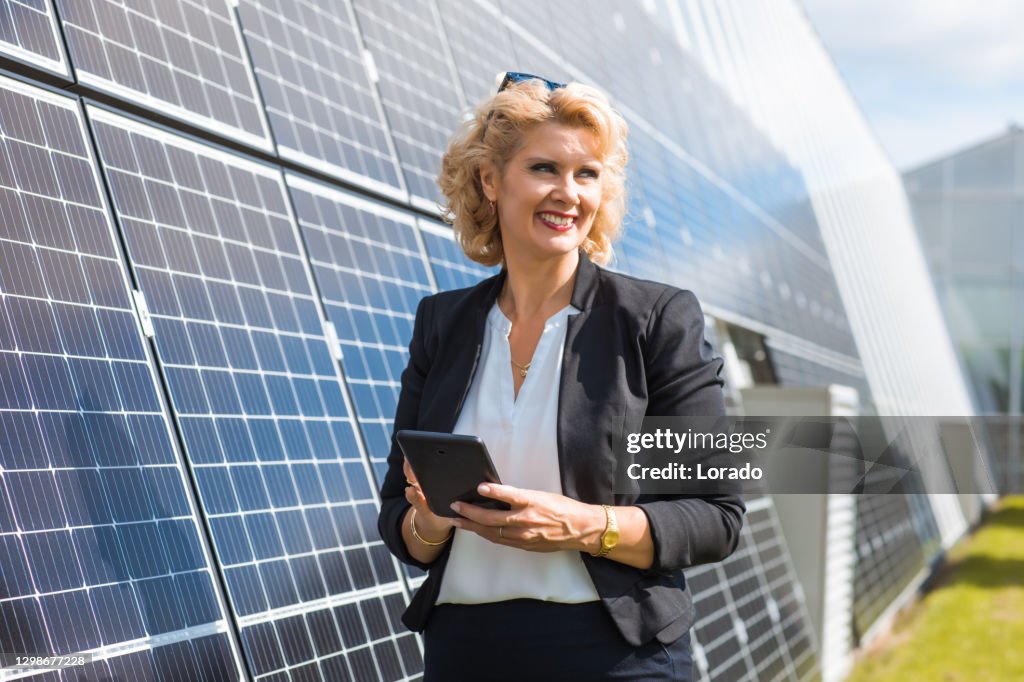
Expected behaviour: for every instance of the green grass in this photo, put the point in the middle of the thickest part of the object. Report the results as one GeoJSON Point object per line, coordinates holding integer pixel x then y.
{"type": "Point", "coordinates": [970, 625]}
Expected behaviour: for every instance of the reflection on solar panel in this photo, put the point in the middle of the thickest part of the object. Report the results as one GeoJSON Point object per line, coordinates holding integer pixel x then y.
{"type": "Point", "coordinates": [531, 27]}
{"type": "Point", "coordinates": [182, 58]}
{"type": "Point", "coordinates": [28, 33]}
{"type": "Point", "coordinates": [258, 398]}
{"type": "Point", "coordinates": [627, 71]}
{"type": "Point", "coordinates": [100, 547]}
{"type": "Point", "coordinates": [638, 250]}
{"type": "Point", "coordinates": [481, 47]}
{"type": "Point", "coordinates": [322, 106]}
{"type": "Point", "coordinates": [417, 86]}
{"type": "Point", "coordinates": [894, 536]}
{"type": "Point", "coordinates": [370, 268]}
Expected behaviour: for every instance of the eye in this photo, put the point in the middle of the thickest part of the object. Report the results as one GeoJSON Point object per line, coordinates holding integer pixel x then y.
{"type": "Point", "coordinates": [590, 173]}
{"type": "Point", "coordinates": [542, 167]}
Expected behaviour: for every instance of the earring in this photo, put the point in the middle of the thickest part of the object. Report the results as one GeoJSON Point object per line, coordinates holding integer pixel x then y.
{"type": "Point", "coordinates": [490, 208]}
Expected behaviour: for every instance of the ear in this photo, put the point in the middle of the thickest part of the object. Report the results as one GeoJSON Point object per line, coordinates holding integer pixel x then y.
{"type": "Point", "coordinates": [489, 177]}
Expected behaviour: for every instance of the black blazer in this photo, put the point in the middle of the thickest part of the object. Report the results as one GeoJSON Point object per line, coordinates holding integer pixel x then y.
{"type": "Point", "coordinates": [636, 348]}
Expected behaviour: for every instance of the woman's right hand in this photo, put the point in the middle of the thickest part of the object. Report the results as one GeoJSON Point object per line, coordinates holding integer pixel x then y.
{"type": "Point", "coordinates": [429, 525]}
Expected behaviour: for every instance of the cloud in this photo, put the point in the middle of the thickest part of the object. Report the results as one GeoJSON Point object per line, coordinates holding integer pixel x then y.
{"type": "Point", "coordinates": [932, 76]}
{"type": "Point", "coordinates": [974, 44]}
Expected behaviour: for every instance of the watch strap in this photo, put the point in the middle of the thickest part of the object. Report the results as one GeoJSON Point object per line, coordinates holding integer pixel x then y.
{"type": "Point", "coordinates": [610, 536]}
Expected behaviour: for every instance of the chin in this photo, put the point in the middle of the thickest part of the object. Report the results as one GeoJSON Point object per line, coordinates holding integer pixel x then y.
{"type": "Point", "coordinates": [558, 249]}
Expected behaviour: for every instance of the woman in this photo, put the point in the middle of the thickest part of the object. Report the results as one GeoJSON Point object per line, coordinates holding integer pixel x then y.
{"type": "Point", "coordinates": [573, 582]}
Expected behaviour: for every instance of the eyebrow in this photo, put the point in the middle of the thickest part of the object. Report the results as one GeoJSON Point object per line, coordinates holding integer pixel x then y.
{"type": "Point", "coordinates": [588, 162]}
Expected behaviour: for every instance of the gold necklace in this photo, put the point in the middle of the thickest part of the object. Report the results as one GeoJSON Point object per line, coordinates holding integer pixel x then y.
{"type": "Point", "coordinates": [523, 369]}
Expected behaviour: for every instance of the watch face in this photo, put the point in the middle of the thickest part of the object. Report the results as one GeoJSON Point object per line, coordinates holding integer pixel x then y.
{"type": "Point", "coordinates": [610, 539]}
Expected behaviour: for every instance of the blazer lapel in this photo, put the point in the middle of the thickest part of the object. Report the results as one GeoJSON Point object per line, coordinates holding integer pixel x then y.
{"type": "Point", "coordinates": [586, 471]}
{"type": "Point", "coordinates": [458, 356]}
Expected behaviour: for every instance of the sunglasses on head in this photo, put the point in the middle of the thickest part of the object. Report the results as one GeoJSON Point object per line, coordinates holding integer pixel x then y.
{"type": "Point", "coordinates": [518, 77]}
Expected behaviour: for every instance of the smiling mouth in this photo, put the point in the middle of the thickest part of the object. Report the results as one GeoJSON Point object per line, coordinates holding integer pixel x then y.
{"type": "Point", "coordinates": [557, 222]}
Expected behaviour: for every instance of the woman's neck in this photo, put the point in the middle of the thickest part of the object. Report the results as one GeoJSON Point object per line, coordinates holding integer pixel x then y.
{"type": "Point", "coordinates": [538, 288]}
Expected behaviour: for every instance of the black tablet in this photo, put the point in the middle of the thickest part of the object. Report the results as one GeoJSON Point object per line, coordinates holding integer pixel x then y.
{"type": "Point", "coordinates": [449, 468]}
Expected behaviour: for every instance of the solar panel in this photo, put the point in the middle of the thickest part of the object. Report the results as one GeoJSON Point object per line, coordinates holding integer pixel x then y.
{"type": "Point", "coordinates": [633, 71]}
{"type": "Point", "coordinates": [417, 84]}
{"type": "Point", "coordinates": [321, 101]}
{"type": "Point", "coordinates": [28, 33]}
{"type": "Point", "coordinates": [530, 25]}
{"type": "Point", "coordinates": [751, 620]}
{"type": "Point", "coordinates": [481, 47]}
{"type": "Point", "coordinates": [371, 271]}
{"type": "Point", "coordinates": [185, 59]}
{"type": "Point", "coordinates": [101, 551]}
{"type": "Point", "coordinates": [895, 536]}
{"type": "Point", "coordinates": [261, 406]}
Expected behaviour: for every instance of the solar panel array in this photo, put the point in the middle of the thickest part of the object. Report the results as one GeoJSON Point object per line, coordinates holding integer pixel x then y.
{"type": "Point", "coordinates": [100, 546]}
{"type": "Point", "coordinates": [267, 429]}
{"type": "Point", "coordinates": [263, 177]}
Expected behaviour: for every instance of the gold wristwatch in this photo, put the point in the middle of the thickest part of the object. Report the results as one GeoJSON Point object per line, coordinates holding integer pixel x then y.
{"type": "Point", "coordinates": [610, 537]}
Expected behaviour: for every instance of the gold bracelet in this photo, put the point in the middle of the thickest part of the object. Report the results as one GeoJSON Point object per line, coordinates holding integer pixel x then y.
{"type": "Point", "coordinates": [412, 527]}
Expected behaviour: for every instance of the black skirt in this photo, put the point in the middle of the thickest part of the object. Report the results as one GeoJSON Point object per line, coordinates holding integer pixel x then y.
{"type": "Point", "coordinates": [528, 640]}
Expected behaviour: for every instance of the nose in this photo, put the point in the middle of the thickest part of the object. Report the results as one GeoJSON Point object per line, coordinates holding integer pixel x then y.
{"type": "Point", "coordinates": [566, 190]}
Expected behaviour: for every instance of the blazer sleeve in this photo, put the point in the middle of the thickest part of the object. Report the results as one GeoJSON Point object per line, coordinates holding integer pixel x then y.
{"type": "Point", "coordinates": [683, 380]}
{"type": "Point", "coordinates": [393, 504]}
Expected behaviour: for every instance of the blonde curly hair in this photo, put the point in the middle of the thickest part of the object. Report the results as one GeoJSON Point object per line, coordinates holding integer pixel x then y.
{"type": "Point", "coordinates": [495, 133]}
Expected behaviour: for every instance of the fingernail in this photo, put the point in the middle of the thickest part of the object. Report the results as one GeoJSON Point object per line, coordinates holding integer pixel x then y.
{"type": "Point", "coordinates": [455, 506]}
{"type": "Point", "coordinates": [484, 488]}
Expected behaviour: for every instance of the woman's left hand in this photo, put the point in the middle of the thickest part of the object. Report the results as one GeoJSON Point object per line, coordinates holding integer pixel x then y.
{"type": "Point", "coordinates": [539, 521]}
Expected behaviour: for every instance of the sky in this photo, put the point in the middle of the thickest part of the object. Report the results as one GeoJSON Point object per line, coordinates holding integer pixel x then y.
{"type": "Point", "coordinates": [931, 76]}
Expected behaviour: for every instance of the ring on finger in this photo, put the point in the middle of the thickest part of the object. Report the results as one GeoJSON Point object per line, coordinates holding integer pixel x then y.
{"type": "Point", "coordinates": [501, 532]}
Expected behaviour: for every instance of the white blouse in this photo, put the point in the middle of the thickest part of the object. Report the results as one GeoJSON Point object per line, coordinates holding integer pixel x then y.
{"type": "Point", "coordinates": [520, 434]}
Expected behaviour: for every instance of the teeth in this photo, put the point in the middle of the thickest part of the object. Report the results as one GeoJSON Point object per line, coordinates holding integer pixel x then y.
{"type": "Point", "coordinates": [556, 219]}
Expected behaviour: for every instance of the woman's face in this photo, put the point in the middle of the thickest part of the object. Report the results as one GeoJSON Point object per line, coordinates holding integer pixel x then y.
{"type": "Point", "coordinates": [549, 193]}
